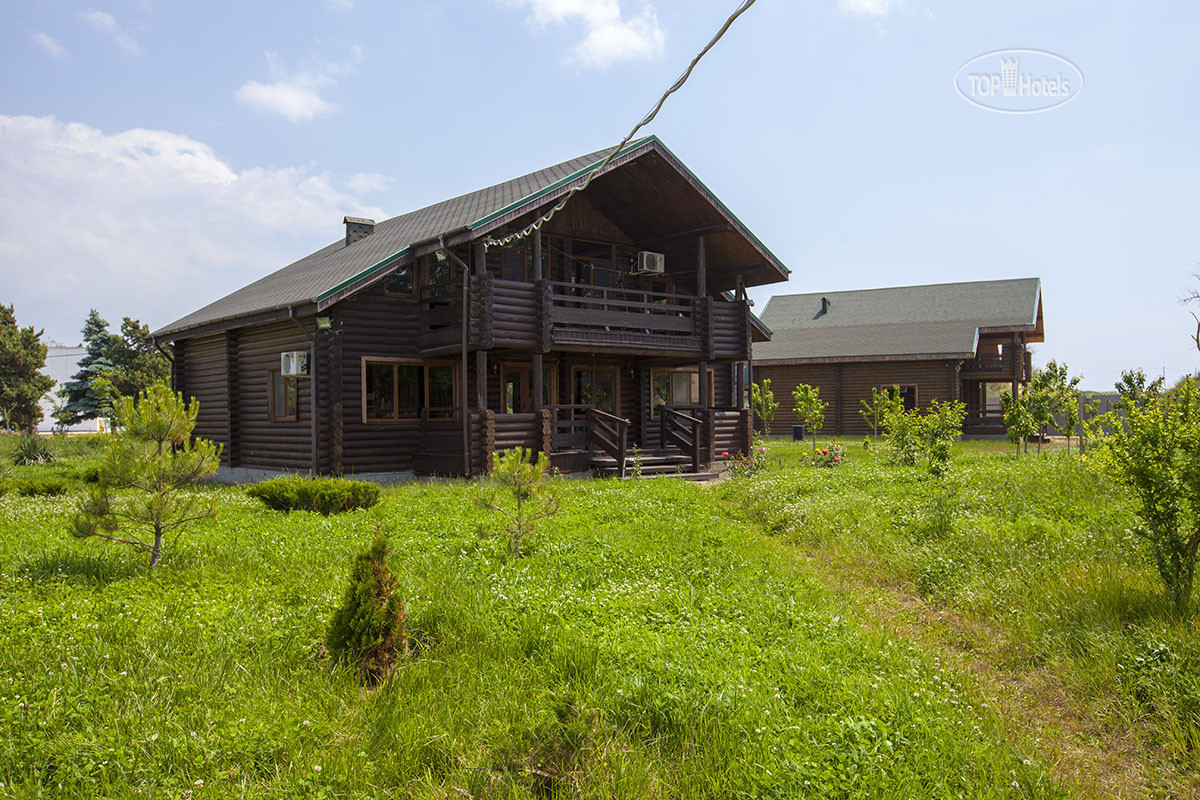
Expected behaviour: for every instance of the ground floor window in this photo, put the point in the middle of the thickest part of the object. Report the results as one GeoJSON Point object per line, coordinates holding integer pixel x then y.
{"type": "Point", "coordinates": [676, 387]}
{"type": "Point", "coordinates": [907, 393]}
{"type": "Point", "coordinates": [394, 390]}
{"type": "Point", "coordinates": [516, 385]}
{"type": "Point", "coordinates": [596, 386]}
{"type": "Point", "coordinates": [281, 396]}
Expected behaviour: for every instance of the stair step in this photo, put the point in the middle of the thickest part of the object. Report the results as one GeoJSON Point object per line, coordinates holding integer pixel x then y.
{"type": "Point", "coordinates": [647, 461]}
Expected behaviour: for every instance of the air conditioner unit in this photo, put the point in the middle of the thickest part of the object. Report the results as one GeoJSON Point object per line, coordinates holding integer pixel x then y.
{"type": "Point", "coordinates": [294, 364]}
{"type": "Point", "coordinates": [650, 263]}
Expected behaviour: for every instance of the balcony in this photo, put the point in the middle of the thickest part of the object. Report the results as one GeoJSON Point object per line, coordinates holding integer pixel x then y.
{"type": "Point", "coordinates": [549, 315]}
{"type": "Point", "coordinates": [999, 367]}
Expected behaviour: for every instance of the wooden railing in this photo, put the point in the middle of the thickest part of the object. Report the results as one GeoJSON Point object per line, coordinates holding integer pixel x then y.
{"type": "Point", "coordinates": [569, 427]}
{"type": "Point", "coordinates": [580, 307]}
{"type": "Point", "coordinates": [441, 316]}
{"type": "Point", "coordinates": [998, 366]}
{"type": "Point", "coordinates": [609, 433]}
{"type": "Point", "coordinates": [682, 431]}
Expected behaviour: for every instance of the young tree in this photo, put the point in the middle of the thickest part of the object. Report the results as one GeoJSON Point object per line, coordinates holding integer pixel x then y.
{"type": "Point", "coordinates": [940, 425]}
{"type": "Point", "coordinates": [872, 412]}
{"type": "Point", "coordinates": [533, 499]}
{"type": "Point", "coordinates": [809, 409]}
{"type": "Point", "coordinates": [144, 474]}
{"type": "Point", "coordinates": [370, 629]}
{"type": "Point", "coordinates": [22, 384]}
{"type": "Point", "coordinates": [1064, 391]}
{"type": "Point", "coordinates": [82, 400]}
{"type": "Point", "coordinates": [901, 428]}
{"type": "Point", "coordinates": [1039, 398]}
{"type": "Point", "coordinates": [1154, 450]}
{"type": "Point", "coordinates": [1135, 388]}
{"type": "Point", "coordinates": [1019, 424]}
{"type": "Point", "coordinates": [762, 401]}
{"type": "Point", "coordinates": [136, 363]}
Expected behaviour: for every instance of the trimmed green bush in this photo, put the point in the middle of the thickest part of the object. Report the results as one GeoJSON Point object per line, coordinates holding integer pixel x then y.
{"type": "Point", "coordinates": [370, 629]}
{"type": "Point", "coordinates": [323, 495]}
{"type": "Point", "coordinates": [30, 487]}
{"type": "Point", "coordinates": [31, 450]}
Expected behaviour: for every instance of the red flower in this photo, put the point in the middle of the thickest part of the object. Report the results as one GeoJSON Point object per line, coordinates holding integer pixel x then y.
{"type": "Point", "coordinates": [836, 460]}
{"type": "Point", "coordinates": [762, 449]}
{"type": "Point", "coordinates": [824, 452]}
{"type": "Point", "coordinates": [725, 454]}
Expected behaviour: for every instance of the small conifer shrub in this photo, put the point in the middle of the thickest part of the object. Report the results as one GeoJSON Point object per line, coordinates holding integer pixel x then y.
{"type": "Point", "coordinates": [370, 629]}
{"type": "Point", "coordinates": [323, 495]}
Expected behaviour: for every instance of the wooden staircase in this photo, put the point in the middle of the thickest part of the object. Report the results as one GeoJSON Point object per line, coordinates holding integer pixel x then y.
{"type": "Point", "coordinates": [666, 462]}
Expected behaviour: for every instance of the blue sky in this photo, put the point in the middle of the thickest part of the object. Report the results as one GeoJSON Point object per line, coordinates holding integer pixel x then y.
{"type": "Point", "coordinates": [157, 154]}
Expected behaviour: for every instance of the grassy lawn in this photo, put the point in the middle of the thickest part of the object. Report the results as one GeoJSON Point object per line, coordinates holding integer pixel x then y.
{"type": "Point", "coordinates": [664, 639]}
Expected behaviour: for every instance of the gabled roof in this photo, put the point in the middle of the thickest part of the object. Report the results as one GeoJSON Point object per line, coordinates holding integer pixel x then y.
{"type": "Point", "coordinates": [325, 276]}
{"type": "Point", "coordinates": [941, 320]}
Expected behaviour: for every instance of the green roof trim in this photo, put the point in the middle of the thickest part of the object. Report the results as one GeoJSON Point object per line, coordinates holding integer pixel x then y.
{"type": "Point", "coordinates": [366, 273]}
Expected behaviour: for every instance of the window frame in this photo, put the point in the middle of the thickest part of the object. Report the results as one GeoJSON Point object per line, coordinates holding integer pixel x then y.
{"type": "Point", "coordinates": [424, 393]}
{"type": "Point", "coordinates": [411, 266]}
{"type": "Point", "coordinates": [525, 370]}
{"type": "Point", "coordinates": [295, 391]}
{"type": "Point", "coordinates": [694, 373]}
{"type": "Point", "coordinates": [900, 386]}
{"type": "Point", "coordinates": [616, 371]}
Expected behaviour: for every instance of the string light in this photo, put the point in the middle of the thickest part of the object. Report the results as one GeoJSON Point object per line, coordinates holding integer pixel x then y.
{"type": "Point", "coordinates": [540, 221]}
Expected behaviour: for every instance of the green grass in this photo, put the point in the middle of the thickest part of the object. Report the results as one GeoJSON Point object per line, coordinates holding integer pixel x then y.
{"type": "Point", "coordinates": [1035, 548]}
{"type": "Point", "coordinates": [656, 643]}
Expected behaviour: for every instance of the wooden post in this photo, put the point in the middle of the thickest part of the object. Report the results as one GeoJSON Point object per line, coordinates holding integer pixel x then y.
{"type": "Point", "coordinates": [479, 259]}
{"type": "Point", "coordinates": [537, 255]}
{"type": "Point", "coordinates": [336, 389]}
{"type": "Point", "coordinates": [1017, 358]}
{"type": "Point", "coordinates": [701, 269]}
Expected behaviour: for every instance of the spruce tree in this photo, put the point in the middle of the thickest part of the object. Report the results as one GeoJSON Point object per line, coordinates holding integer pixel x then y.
{"type": "Point", "coordinates": [82, 399]}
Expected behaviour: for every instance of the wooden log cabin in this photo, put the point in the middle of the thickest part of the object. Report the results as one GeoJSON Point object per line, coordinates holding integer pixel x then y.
{"type": "Point", "coordinates": [951, 341]}
{"type": "Point", "coordinates": [422, 345]}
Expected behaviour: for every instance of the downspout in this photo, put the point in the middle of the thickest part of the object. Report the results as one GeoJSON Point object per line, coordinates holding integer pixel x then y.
{"type": "Point", "coordinates": [313, 376]}
{"type": "Point", "coordinates": [466, 419]}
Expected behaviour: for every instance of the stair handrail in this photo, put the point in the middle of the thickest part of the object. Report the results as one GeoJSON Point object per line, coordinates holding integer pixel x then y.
{"type": "Point", "coordinates": [609, 433]}
{"type": "Point", "coordinates": [683, 431]}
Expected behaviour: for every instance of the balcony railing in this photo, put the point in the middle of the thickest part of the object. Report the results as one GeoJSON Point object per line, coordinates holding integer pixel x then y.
{"type": "Point", "coordinates": [997, 366]}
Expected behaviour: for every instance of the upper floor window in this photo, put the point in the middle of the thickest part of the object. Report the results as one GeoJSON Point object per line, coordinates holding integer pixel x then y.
{"type": "Point", "coordinates": [401, 281]}
{"type": "Point", "coordinates": [439, 274]}
{"type": "Point", "coordinates": [516, 261]}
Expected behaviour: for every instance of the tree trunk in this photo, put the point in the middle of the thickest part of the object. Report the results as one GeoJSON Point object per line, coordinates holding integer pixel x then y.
{"type": "Point", "coordinates": [156, 550]}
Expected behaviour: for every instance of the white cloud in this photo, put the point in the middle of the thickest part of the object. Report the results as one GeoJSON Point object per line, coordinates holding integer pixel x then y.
{"type": "Point", "coordinates": [148, 223]}
{"type": "Point", "coordinates": [296, 94]}
{"type": "Point", "coordinates": [49, 44]}
{"type": "Point", "coordinates": [106, 23]}
{"type": "Point", "coordinates": [609, 37]}
{"type": "Point", "coordinates": [870, 8]}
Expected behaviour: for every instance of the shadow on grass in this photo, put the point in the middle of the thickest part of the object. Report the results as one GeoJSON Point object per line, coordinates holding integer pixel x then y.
{"type": "Point", "coordinates": [77, 568]}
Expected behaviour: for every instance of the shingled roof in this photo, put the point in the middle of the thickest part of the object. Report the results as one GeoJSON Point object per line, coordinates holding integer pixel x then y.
{"type": "Point", "coordinates": [933, 321]}
{"type": "Point", "coordinates": [317, 279]}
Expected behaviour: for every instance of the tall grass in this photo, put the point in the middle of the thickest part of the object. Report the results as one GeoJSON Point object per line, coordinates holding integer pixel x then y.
{"type": "Point", "coordinates": [1037, 547]}
{"type": "Point", "coordinates": [654, 644]}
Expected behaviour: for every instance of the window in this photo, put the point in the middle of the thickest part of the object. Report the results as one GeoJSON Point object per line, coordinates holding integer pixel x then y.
{"type": "Point", "coordinates": [515, 383]}
{"type": "Point", "coordinates": [677, 388]}
{"type": "Point", "coordinates": [592, 263]}
{"type": "Point", "coordinates": [281, 396]}
{"type": "Point", "coordinates": [907, 393]}
{"type": "Point", "coordinates": [596, 386]}
{"type": "Point", "coordinates": [439, 275]}
{"type": "Point", "coordinates": [394, 390]}
{"type": "Point", "coordinates": [516, 261]}
{"type": "Point", "coordinates": [401, 281]}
